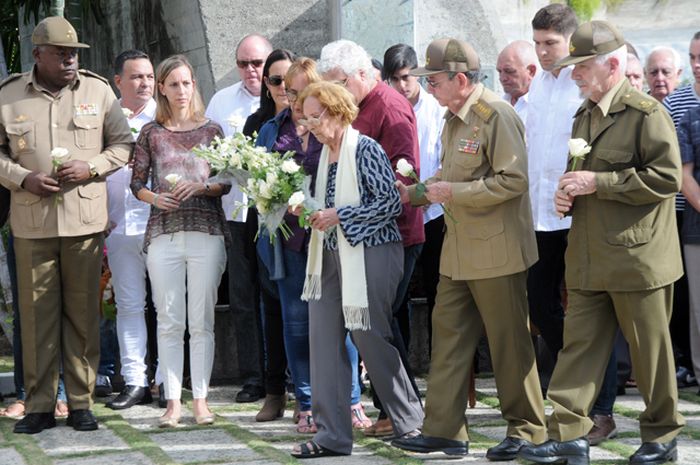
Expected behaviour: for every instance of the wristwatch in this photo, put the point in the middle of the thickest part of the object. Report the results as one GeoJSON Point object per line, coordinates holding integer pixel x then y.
{"type": "Point", "coordinates": [93, 170]}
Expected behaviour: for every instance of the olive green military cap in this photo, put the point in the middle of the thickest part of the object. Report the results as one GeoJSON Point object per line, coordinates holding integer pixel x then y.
{"type": "Point", "coordinates": [448, 55]}
{"type": "Point", "coordinates": [56, 30]}
{"type": "Point", "coordinates": [592, 39]}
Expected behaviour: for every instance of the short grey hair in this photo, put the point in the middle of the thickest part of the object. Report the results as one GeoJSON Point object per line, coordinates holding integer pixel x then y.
{"type": "Point", "coordinates": [619, 53]}
{"type": "Point", "coordinates": [347, 56]}
{"type": "Point", "coordinates": [677, 62]}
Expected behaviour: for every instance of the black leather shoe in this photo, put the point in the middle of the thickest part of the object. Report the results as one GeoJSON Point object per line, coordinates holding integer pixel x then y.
{"type": "Point", "coordinates": [428, 444]}
{"type": "Point", "coordinates": [130, 396]}
{"type": "Point", "coordinates": [574, 452]}
{"type": "Point", "coordinates": [162, 401]}
{"type": "Point", "coordinates": [655, 453]}
{"type": "Point", "coordinates": [33, 423]}
{"type": "Point", "coordinates": [250, 393]}
{"type": "Point", "coordinates": [81, 420]}
{"type": "Point", "coordinates": [507, 449]}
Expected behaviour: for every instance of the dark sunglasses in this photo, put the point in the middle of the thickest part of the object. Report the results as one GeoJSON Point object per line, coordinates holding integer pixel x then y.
{"type": "Point", "coordinates": [253, 63]}
{"type": "Point", "coordinates": [275, 80]}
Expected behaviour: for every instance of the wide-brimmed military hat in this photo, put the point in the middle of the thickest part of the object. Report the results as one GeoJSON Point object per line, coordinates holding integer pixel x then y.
{"type": "Point", "coordinates": [592, 39]}
{"type": "Point", "coordinates": [448, 55]}
{"type": "Point", "coordinates": [56, 30]}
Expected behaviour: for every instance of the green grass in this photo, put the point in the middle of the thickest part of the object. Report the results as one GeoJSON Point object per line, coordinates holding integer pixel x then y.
{"type": "Point", "coordinates": [7, 363]}
{"type": "Point", "coordinates": [24, 444]}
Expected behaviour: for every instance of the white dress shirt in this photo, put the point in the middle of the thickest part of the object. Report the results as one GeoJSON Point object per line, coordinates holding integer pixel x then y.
{"type": "Point", "coordinates": [128, 214]}
{"type": "Point", "coordinates": [552, 103]}
{"type": "Point", "coordinates": [521, 106]}
{"type": "Point", "coordinates": [429, 119]}
{"type": "Point", "coordinates": [233, 103]}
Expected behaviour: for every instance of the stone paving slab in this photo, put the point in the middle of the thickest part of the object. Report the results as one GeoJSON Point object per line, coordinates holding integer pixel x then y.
{"type": "Point", "coordinates": [207, 445]}
{"type": "Point", "coordinates": [64, 440]}
{"type": "Point", "coordinates": [10, 456]}
{"type": "Point", "coordinates": [635, 402]}
{"type": "Point", "coordinates": [131, 458]}
{"type": "Point", "coordinates": [360, 455]}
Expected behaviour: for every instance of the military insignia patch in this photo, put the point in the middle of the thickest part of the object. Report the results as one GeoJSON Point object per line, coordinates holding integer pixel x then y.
{"type": "Point", "coordinates": [21, 118]}
{"type": "Point", "coordinates": [468, 146]}
{"type": "Point", "coordinates": [86, 109]}
{"type": "Point", "coordinates": [21, 143]}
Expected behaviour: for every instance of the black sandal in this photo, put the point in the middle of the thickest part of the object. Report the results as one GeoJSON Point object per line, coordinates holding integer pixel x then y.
{"type": "Point", "coordinates": [315, 451]}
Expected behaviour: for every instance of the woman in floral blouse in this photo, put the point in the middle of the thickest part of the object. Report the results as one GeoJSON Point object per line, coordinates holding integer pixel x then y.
{"type": "Point", "coordinates": [184, 237]}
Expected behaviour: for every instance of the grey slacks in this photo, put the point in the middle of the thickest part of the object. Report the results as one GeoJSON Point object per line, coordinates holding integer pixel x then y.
{"type": "Point", "coordinates": [330, 367]}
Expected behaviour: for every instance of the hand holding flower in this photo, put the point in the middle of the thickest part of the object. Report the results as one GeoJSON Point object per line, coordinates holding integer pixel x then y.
{"type": "Point", "coordinates": [324, 219]}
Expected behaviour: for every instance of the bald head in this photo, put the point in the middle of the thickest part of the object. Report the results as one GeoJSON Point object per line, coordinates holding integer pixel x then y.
{"type": "Point", "coordinates": [634, 72]}
{"type": "Point", "coordinates": [663, 71]}
{"type": "Point", "coordinates": [516, 65]}
{"type": "Point", "coordinates": [251, 53]}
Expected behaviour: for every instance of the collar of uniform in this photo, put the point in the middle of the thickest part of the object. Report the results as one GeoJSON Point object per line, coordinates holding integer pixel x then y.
{"type": "Point", "coordinates": [30, 80]}
{"type": "Point", "coordinates": [471, 100]}
{"type": "Point", "coordinates": [607, 100]}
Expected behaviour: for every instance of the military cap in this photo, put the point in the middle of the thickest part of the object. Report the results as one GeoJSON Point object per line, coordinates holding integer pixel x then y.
{"type": "Point", "coordinates": [448, 55]}
{"type": "Point", "coordinates": [56, 30]}
{"type": "Point", "coordinates": [592, 39]}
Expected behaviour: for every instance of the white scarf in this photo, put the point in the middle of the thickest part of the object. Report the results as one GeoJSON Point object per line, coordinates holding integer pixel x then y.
{"type": "Point", "coordinates": [352, 259]}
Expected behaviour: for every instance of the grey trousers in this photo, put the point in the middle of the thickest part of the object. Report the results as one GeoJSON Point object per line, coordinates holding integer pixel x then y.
{"type": "Point", "coordinates": [330, 367]}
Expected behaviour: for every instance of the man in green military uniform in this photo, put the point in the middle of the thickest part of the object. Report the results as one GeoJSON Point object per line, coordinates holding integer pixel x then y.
{"type": "Point", "coordinates": [623, 253]}
{"type": "Point", "coordinates": [61, 131]}
{"type": "Point", "coordinates": [486, 252]}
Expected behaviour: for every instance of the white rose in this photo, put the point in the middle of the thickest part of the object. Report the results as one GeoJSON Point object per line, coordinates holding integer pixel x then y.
{"type": "Point", "coordinates": [296, 200]}
{"type": "Point", "coordinates": [578, 147]}
{"type": "Point", "coordinates": [264, 189]}
{"type": "Point", "coordinates": [404, 168]}
{"type": "Point", "coordinates": [127, 112]}
{"type": "Point", "coordinates": [290, 166]}
{"type": "Point", "coordinates": [271, 178]}
{"type": "Point", "coordinates": [173, 179]}
{"type": "Point", "coordinates": [235, 121]}
{"type": "Point", "coordinates": [59, 155]}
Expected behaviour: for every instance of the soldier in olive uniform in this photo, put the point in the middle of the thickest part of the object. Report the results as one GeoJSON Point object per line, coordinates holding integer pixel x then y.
{"type": "Point", "coordinates": [487, 249]}
{"type": "Point", "coordinates": [623, 253]}
{"type": "Point", "coordinates": [58, 215]}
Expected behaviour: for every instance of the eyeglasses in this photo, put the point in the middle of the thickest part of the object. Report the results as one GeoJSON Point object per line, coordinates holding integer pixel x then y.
{"type": "Point", "coordinates": [246, 63]}
{"type": "Point", "coordinates": [275, 80]}
{"type": "Point", "coordinates": [313, 121]}
{"type": "Point", "coordinates": [343, 82]}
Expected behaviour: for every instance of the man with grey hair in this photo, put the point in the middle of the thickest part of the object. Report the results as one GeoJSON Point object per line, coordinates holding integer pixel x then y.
{"type": "Point", "coordinates": [517, 65]}
{"type": "Point", "coordinates": [634, 72]}
{"type": "Point", "coordinates": [387, 117]}
{"type": "Point", "coordinates": [623, 253]}
{"type": "Point", "coordinates": [663, 71]}
{"type": "Point", "coordinates": [230, 107]}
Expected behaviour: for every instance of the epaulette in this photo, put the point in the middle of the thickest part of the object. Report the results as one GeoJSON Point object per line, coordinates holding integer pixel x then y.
{"type": "Point", "coordinates": [89, 73]}
{"type": "Point", "coordinates": [483, 110]}
{"type": "Point", "coordinates": [640, 101]}
{"type": "Point", "coordinates": [10, 78]}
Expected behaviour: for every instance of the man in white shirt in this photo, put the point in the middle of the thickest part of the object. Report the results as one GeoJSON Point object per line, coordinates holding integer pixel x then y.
{"type": "Point", "coordinates": [230, 107]}
{"type": "Point", "coordinates": [517, 66]}
{"type": "Point", "coordinates": [134, 77]}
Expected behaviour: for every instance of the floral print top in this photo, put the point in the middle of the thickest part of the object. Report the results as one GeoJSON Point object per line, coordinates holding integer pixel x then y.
{"type": "Point", "coordinates": [160, 152]}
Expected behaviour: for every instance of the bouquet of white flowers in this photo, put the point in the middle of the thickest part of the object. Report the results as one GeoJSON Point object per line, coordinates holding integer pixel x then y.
{"type": "Point", "coordinates": [269, 179]}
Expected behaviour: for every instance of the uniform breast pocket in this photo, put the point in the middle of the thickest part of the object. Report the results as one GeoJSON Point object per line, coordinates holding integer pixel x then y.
{"type": "Point", "coordinates": [22, 137]}
{"type": "Point", "coordinates": [88, 131]}
{"type": "Point", "coordinates": [615, 159]}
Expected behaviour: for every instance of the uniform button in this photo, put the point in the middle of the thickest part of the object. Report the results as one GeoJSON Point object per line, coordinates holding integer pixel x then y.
{"type": "Point", "coordinates": [54, 125]}
{"type": "Point", "coordinates": [87, 126]}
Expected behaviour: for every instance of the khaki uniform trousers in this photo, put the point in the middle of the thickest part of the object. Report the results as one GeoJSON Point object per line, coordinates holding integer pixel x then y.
{"type": "Point", "coordinates": [590, 326]}
{"type": "Point", "coordinates": [59, 302]}
{"type": "Point", "coordinates": [463, 309]}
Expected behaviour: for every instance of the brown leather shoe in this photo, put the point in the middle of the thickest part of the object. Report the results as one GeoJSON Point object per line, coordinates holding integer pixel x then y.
{"type": "Point", "coordinates": [603, 428]}
{"type": "Point", "coordinates": [380, 428]}
{"type": "Point", "coordinates": [273, 408]}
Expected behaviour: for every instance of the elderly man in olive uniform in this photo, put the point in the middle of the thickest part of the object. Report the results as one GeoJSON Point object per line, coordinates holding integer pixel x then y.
{"type": "Point", "coordinates": [623, 253]}
{"type": "Point", "coordinates": [58, 215]}
{"type": "Point", "coordinates": [487, 249]}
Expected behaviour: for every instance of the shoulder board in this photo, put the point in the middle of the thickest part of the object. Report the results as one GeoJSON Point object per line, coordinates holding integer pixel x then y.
{"type": "Point", "coordinates": [483, 110]}
{"type": "Point", "coordinates": [10, 78]}
{"type": "Point", "coordinates": [89, 73]}
{"type": "Point", "coordinates": [640, 101]}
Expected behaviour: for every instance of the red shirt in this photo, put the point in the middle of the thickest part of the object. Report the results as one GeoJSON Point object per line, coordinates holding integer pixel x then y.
{"type": "Point", "coordinates": [387, 117]}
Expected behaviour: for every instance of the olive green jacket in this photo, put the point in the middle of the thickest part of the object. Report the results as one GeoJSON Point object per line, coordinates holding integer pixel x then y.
{"type": "Point", "coordinates": [484, 157]}
{"type": "Point", "coordinates": [623, 237]}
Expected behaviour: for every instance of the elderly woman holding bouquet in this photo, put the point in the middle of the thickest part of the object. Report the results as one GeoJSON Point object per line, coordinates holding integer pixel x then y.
{"type": "Point", "coordinates": [355, 263]}
{"type": "Point", "coordinates": [184, 236]}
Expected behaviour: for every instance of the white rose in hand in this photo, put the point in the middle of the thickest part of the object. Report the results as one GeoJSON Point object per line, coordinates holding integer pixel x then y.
{"type": "Point", "coordinates": [404, 168]}
{"type": "Point", "coordinates": [296, 200]}
{"type": "Point", "coordinates": [290, 166]}
{"type": "Point", "coordinates": [59, 155]}
{"type": "Point", "coordinates": [173, 179]}
{"type": "Point", "coordinates": [578, 148]}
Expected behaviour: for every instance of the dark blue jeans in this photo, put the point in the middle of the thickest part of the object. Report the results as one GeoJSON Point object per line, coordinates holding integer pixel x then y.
{"type": "Point", "coordinates": [608, 391]}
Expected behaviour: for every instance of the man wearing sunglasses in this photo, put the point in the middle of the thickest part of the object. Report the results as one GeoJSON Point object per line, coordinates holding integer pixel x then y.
{"type": "Point", "coordinates": [230, 107]}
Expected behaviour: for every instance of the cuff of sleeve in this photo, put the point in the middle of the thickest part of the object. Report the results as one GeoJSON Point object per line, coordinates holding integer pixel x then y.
{"type": "Point", "coordinates": [464, 194]}
{"type": "Point", "coordinates": [17, 176]}
{"type": "Point", "coordinates": [605, 183]}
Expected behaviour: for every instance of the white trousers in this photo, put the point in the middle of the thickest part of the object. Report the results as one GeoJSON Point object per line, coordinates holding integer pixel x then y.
{"type": "Point", "coordinates": [186, 265]}
{"type": "Point", "coordinates": [128, 265]}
